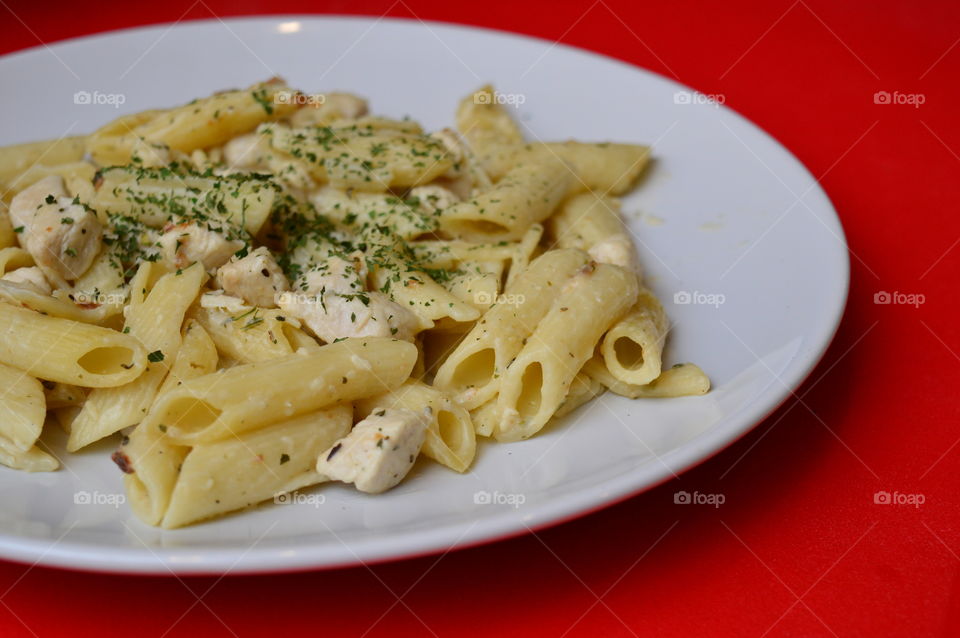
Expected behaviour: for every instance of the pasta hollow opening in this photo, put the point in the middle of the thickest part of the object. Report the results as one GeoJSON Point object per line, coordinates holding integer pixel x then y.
{"type": "Point", "coordinates": [476, 370]}
{"type": "Point", "coordinates": [448, 427]}
{"type": "Point", "coordinates": [531, 387]}
{"type": "Point", "coordinates": [107, 360]}
{"type": "Point", "coordinates": [191, 415]}
{"type": "Point", "coordinates": [629, 353]}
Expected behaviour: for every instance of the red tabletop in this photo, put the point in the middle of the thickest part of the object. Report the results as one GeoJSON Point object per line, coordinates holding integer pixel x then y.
{"type": "Point", "coordinates": [800, 547]}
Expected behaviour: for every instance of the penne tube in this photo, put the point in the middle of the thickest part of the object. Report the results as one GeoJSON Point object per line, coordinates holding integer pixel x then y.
{"type": "Point", "coordinates": [483, 120]}
{"type": "Point", "coordinates": [486, 418]}
{"type": "Point", "coordinates": [632, 349]}
{"type": "Point", "coordinates": [22, 408]}
{"type": "Point", "coordinates": [604, 167]}
{"type": "Point", "coordinates": [158, 197]}
{"type": "Point", "coordinates": [62, 395]}
{"type": "Point", "coordinates": [583, 389]}
{"type": "Point", "coordinates": [473, 371]}
{"type": "Point", "coordinates": [593, 223]}
{"type": "Point", "coordinates": [214, 120]}
{"type": "Point", "coordinates": [250, 335]}
{"type": "Point", "coordinates": [238, 399]}
{"type": "Point", "coordinates": [363, 158]}
{"type": "Point", "coordinates": [155, 322]}
{"type": "Point", "coordinates": [256, 466]}
{"type": "Point", "coordinates": [420, 294]}
{"type": "Point", "coordinates": [536, 382]}
{"type": "Point", "coordinates": [150, 461]}
{"type": "Point", "coordinates": [70, 351]}
{"type": "Point", "coordinates": [59, 307]}
{"type": "Point", "coordinates": [33, 460]}
{"type": "Point", "coordinates": [683, 379]}
{"type": "Point", "coordinates": [18, 158]}
{"type": "Point", "coordinates": [477, 283]}
{"type": "Point", "coordinates": [12, 258]}
{"type": "Point", "coordinates": [78, 178]}
{"type": "Point", "coordinates": [196, 357]}
{"type": "Point", "coordinates": [112, 144]}
{"type": "Point", "coordinates": [450, 440]}
{"type": "Point", "coordinates": [201, 124]}
{"type": "Point", "coordinates": [526, 195]}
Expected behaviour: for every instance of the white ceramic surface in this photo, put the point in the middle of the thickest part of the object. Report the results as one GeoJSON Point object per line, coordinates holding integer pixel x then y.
{"type": "Point", "coordinates": [725, 211]}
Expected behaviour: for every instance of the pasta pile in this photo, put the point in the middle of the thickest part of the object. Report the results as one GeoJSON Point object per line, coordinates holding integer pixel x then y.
{"type": "Point", "coordinates": [260, 292]}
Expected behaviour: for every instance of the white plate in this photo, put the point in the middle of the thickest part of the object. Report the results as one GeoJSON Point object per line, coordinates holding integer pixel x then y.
{"type": "Point", "coordinates": [742, 218]}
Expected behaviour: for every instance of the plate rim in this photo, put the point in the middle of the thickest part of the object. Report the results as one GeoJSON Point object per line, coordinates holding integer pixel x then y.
{"type": "Point", "coordinates": [73, 555]}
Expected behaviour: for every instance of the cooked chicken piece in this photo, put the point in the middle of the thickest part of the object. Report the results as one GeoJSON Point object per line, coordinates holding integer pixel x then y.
{"type": "Point", "coordinates": [333, 303]}
{"type": "Point", "coordinates": [434, 198]}
{"type": "Point", "coordinates": [378, 452]}
{"type": "Point", "coordinates": [217, 299]}
{"type": "Point", "coordinates": [63, 237]}
{"type": "Point", "coordinates": [187, 243]}
{"type": "Point", "coordinates": [451, 141]}
{"type": "Point", "coordinates": [255, 278]}
{"type": "Point", "coordinates": [247, 151]}
{"type": "Point", "coordinates": [617, 250]}
{"type": "Point", "coordinates": [29, 277]}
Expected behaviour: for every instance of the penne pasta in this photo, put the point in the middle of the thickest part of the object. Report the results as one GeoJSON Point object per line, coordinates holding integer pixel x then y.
{"type": "Point", "coordinates": [22, 409]}
{"type": "Point", "coordinates": [450, 439]}
{"type": "Point", "coordinates": [473, 372]}
{"type": "Point", "coordinates": [683, 379]}
{"type": "Point", "coordinates": [263, 289]}
{"type": "Point", "coordinates": [78, 353]}
{"type": "Point", "coordinates": [537, 380]}
{"type": "Point", "coordinates": [256, 466]}
{"type": "Point", "coordinates": [228, 402]}
{"type": "Point", "coordinates": [526, 195]}
{"type": "Point", "coordinates": [151, 463]}
{"type": "Point", "coordinates": [155, 322]}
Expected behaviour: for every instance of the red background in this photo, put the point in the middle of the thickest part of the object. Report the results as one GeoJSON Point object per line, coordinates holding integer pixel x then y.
{"type": "Point", "coordinates": [799, 548]}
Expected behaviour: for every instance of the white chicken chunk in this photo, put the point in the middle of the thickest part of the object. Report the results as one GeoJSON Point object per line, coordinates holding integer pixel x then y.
{"type": "Point", "coordinates": [333, 303]}
{"type": "Point", "coordinates": [378, 452]}
{"type": "Point", "coordinates": [452, 142]}
{"type": "Point", "coordinates": [29, 277]}
{"type": "Point", "coordinates": [187, 243]}
{"type": "Point", "coordinates": [617, 250]}
{"type": "Point", "coordinates": [434, 198]}
{"type": "Point", "coordinates": [246, 151]}
{"type": "Point", "coordinates": [62, 237]}
{"type": "Point", "coordinates": [256, 278]}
